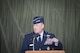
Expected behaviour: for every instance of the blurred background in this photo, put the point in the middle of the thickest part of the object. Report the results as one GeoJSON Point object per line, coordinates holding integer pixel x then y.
{"type": "Point", "coordinates": [62, 17]}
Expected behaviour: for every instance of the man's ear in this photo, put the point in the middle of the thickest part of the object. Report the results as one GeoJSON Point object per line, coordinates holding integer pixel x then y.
{"type": "Point", "coordinates": [43, 26]}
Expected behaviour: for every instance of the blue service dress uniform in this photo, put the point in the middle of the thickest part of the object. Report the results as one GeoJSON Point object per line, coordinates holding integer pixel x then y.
{"type": "Point", "coordinates": [28, 43]}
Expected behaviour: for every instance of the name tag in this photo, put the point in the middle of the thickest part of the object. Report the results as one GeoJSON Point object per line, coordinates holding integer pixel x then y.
{"type": "Point", "coordinates": [30, 44]}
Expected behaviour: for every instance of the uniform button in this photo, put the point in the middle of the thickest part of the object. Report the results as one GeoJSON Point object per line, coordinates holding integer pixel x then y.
{"type": "Point", "coordinates": [39, 49]}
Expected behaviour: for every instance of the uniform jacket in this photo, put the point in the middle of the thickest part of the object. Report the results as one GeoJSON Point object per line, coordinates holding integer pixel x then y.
{"type": "Point", "coordinates": [28, 43]}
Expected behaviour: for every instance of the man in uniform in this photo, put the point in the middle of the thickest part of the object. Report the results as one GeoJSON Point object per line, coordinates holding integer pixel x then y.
{"type": "Point", "coordinates": [39, 39]}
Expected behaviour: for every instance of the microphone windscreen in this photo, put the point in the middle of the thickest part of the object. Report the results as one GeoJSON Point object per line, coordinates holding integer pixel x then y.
{"type": "Point", "coordinates": [36, 35]}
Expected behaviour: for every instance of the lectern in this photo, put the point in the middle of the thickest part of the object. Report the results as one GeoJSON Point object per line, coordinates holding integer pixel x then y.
{"type": "Point", "coordinates": [45, 51]}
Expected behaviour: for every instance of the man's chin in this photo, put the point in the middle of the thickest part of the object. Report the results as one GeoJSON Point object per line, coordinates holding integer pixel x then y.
{"type": "Point", "coordinates": [35, 32]}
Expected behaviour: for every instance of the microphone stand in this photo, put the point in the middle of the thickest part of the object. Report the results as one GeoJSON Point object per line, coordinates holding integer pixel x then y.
{"type": "Point", "coordinates": [33, 43]}
{"type": "Point", "coordinates": [36, 35]}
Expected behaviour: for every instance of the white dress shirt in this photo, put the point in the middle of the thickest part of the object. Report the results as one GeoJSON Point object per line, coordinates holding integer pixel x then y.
{"type": "Point", "coordinates": [41, 36]}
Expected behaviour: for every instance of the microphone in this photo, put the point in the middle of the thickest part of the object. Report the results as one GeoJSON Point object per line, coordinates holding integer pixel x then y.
{"type": "Point", "coordinates": [36, 35]}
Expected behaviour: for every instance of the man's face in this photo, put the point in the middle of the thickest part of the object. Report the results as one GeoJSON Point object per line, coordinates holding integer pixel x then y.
{"type": "Point", "coordinates": [38, 28]}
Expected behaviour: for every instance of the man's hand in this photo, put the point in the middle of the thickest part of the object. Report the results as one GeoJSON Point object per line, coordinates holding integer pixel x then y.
{"type": "Point", "coordinates": [55, 40]}
{"type": "Point", "coordinates": [50, 41]}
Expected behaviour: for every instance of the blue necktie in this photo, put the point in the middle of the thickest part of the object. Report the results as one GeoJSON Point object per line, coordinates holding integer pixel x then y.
{"type": "Point", "coordinates": [39, 39]}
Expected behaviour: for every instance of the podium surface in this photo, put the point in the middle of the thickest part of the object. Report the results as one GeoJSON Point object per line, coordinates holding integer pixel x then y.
{"type": "Point", "coordinates": [45, 51]}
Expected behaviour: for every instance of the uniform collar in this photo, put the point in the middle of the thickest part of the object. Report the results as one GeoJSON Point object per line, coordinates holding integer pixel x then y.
{"type": "Point", "coordinates": [41, 34]}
